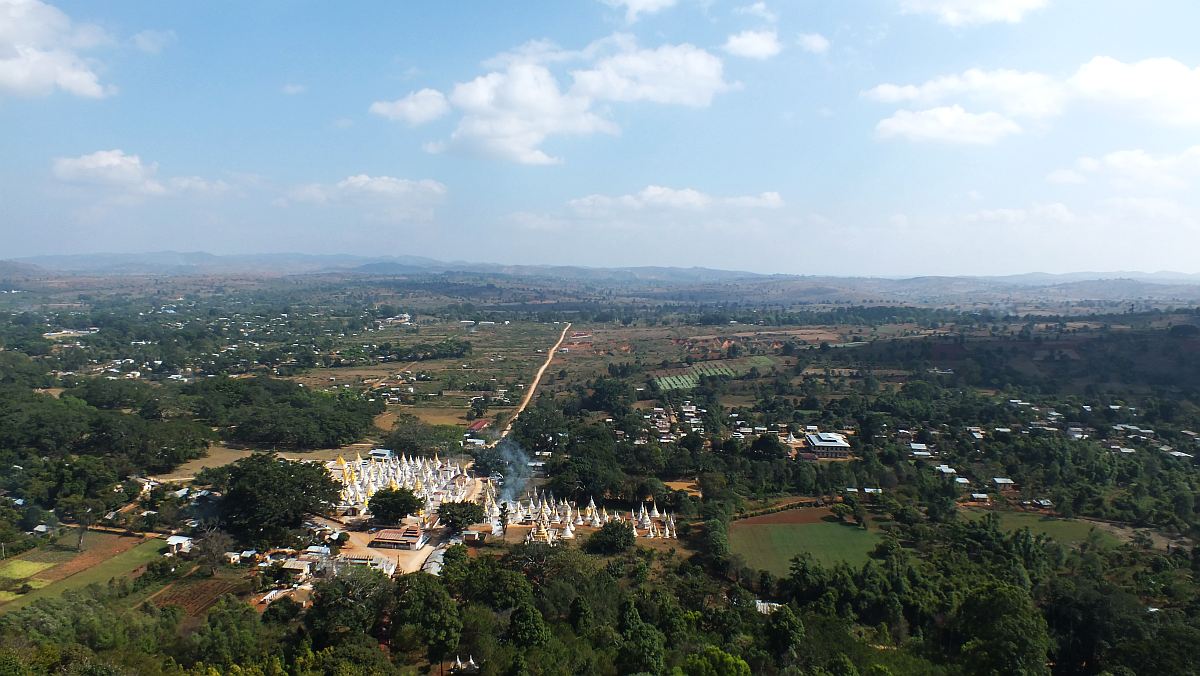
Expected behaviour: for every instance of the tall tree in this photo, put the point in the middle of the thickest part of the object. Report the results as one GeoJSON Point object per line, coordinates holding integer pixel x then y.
{"type": "Point", "coordinates": [391, 505]}
{"type": "Point", "coordinates": [268, 496]}
{"type": "Point", "coordinates": [459, 515]}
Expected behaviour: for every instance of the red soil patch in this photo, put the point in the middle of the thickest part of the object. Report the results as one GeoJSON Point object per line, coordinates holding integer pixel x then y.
{"type": "Point", "coordinates": [800, 515]}
{"type": "Point", "coordinates": [96, 550]}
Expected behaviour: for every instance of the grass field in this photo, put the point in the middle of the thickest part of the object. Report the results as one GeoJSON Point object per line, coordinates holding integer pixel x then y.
{"type": "Point", "coordinates": [1067, 531]}
{"type": "Point", "coordinates": [771, 546]}
{"type": "Point", "coordinates": [122, 564]}
{"type": "Point", "coordinates": [17, 569]}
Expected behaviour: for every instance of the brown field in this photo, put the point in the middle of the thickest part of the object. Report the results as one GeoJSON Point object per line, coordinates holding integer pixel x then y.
{"type": "Point", "coordinates": [795, 516]}
{"type": "Point", "coordinates": [97, 547]}
{"type": "Point", "coordinates": [387, 419]}
{"type": "Point", "coordinates": [690, 486]}
{"type": "Point", "coordinates": [195, 596]}
{"type": "Point", "coordinates": [441, 415]}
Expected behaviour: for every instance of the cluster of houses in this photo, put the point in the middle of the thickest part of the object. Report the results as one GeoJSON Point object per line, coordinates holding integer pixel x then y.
{"type": "Point", "coordinates": [668, 425]}
{"type": "Point", "coordinates": [298, 565]}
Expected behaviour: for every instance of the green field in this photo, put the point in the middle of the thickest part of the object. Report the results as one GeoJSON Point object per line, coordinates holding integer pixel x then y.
{"type": "Point", "coordinates": [691, 379]}
{"type": "Point", "coordinates": [771, 547]}
{"type": "Point", "coordinates": [17, 569]}
{"type": "Point", "coordinates": [122, 564]}
{"type": "Point", "coordinates": [1066, 531]}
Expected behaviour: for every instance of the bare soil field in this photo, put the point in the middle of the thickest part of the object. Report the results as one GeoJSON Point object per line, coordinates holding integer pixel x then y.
{"type": "Point", "coordinates": [440, 415]}
{"type": "Point", "coordinates": [691, 487]}
{"type": "Point", "coordinates": [98, 547]}
{"type": "Point", "coordinates": [387, 419]}
{"type": "Point", "coordinates": [195, 595]}
{"type": "Point", "coordinates": [793, 516]}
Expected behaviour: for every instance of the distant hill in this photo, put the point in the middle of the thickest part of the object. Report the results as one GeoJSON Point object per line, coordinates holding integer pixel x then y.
{"type": "Point", "coordinates": [17, 270]}
{"type": "Point", "coordinates": [199, 262]}
{"type": "Point", "coordinates": [193, 263]}
{"type": "Point", "coordinates": [1045, 278]}
{"type": "Point", "coordinates": [655, 282]}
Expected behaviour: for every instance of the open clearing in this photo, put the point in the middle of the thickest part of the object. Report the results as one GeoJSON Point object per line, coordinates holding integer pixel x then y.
{"type": "Point", "coordinates": [220, 455]}
{"type": "Point", "coordinates": [1069, 532]}
{"type": "Point", "coordinates": [771, 541]}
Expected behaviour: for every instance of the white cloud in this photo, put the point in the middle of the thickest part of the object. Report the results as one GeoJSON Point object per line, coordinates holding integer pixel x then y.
{"type": "Point", "coordinates": [635, 8]}
{"type": "Point", "coordinates": [125, 176]}
{"type": "Point", "coordinates": [40, 51]}
{"type": "Point", "coordinates": [1066, 177]}
{"type": "Point", "coordinates": [293, 89]}
{"type": "Point", "coordinates": [813, 43]}
{"type": "Point", "coordinates": [109, 168]}
{"type": "Point", "coordinates": [948, 124]}
{"type": "Point", "coordinates": [1138, 169]}
{"type": "Point", "coordinates": [757, 9]}
{"type": "Point", "coordinates": [664, 198]}
{"type": "Point", "coordinates": [417, 108]}
{"type": "Point", "coordinates": [971, 12]}
{"type": "Point", "coordinates": [672, 74]}
{"type": "Point", "coordinates": [153, 42]}
{"type": "Point", "coordinates": [510, 114]}
{"type": "Point", "coordinates": [1017, 93]}
{"type": "Point", "coordinates": [384, 198]}
{"type": "Point", "coordinates": [753, 44]}
{"type": "Point", "coordinates": [1163, 89]}
{"type": "Point", "coordinates": [1143, 213]}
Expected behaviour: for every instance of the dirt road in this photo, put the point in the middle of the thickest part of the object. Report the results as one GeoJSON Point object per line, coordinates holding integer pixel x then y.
{"type": "Point", "coordinates": [537, 378]}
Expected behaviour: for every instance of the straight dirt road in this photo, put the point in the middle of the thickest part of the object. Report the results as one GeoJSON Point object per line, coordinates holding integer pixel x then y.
{"type": "Point", "coordinates": [537, 379]}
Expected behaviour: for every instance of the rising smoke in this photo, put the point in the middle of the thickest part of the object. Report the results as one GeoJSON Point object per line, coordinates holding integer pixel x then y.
{"type": "Point", "coordinates": [516, 469]}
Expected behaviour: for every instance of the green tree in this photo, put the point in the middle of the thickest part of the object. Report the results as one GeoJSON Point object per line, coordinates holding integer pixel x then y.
{"type": "Point", "coordinates": [425, 608]}
{"type": "Point", "coordinates": [526, 627]}
{"type": "Point", "coordinates": [613, 537]}
{"type": "Point", "coordinates": [458, 515]}
{"type": "Point", "coordinates": [784, 631]}
{"type": "Point", "coordinates": [1001, 632]}
{"type": "Point", "coordinates": [642, 647]}
{"type": "Point", "coordinates": [349, 604]}
{"type": "Point", "coordinates": [712, 661]}
{"type": "Point", "coordinates": [268, 496]}
{"type": "Point", "coordinates": [390, 505]}
{"type": "Point", "coordinates": [231, 635]}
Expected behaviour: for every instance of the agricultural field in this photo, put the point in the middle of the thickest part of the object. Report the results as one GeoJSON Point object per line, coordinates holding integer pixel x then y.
{"type": "Point", "coordinates": [57, 568]}
{"type": "Point", "coordinates": [690, 377]}
{"type": "Point", "coordinates": [1070, 532]}
{"type": "Point", "coordinates": [439, 391]}
{"type": "Point", "coordinates": [196, 594]}
{"type": "Point", "coordinates": [771, 541]}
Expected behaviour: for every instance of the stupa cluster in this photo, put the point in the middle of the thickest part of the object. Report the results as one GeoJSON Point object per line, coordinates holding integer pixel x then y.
{"type": "Point", "coordinates": [553, 519]}
{"type": "Point", "coordinates": [431, 479]}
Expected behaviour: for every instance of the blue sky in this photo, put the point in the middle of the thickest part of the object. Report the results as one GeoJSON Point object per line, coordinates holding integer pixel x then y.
{"type": "Point", "coordinates": [876, 137]}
